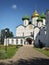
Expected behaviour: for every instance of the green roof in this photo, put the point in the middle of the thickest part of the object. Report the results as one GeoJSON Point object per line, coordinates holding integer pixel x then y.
{"type": "Point", "coordinates": [43, 15]}
{"type": "Point", "coordinates": [25, 17]}
{"type": "Point", "coordinates": [39, 19]}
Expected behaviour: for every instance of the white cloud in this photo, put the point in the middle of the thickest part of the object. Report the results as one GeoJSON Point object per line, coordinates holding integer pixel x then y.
{"type": "Point", "coordinates": [14, 6]}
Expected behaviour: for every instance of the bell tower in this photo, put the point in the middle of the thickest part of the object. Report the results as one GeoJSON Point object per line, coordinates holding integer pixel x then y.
{"type": "Point", "coordinates": [34, 17]}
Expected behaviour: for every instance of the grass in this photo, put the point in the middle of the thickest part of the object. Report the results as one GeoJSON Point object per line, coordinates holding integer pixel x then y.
{"type": "Point", "coordinates": [11, 50]}
{"type": "Point", "coordinates": [46, 52]}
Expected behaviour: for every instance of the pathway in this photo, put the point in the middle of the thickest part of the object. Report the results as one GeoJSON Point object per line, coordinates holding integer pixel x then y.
{"type": "Point", "coordinates": [27, 55]}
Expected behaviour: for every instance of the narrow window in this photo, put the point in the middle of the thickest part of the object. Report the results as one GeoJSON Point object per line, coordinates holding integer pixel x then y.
{"type": "Point", "coordinates": [12, 41]}
{"type": "Point", "coordinates": [16, 41]}
{"type": "Point", "coordinates": [31, 33]}
{"type": "Point", "coordinates": [21, 41]}
{"type": "Point", "coordinates": [23, 33]}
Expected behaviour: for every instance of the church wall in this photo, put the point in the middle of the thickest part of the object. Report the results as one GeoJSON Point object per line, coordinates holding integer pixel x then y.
{"type": "Point", "coordinates": [20, 42]}
{"type": "Point", "coordinates": [20, 31]}
{"type": "Point", "coordinates": [14, 41]}
{"type": "Point", "coordinates": [29, 29]}
{"type": "Point", "coordinates": [5, 42]}
{"type": "Point", "coordinates": [44, 21]}
{"type": "Point", "coordinates": [42, 36]}
{"type": "Point", "coordinates": [36, 36]}
{"type": "Point", "coordinates": [47, 26]}
{"type": "Point", "coordinates": [10, 41]}
{"type": "Point", "coordinates": [47, 35]}
{"type": "Point", "coordinates": [36, 32]}
{"type": "Point", "coordinates": [36, 41]}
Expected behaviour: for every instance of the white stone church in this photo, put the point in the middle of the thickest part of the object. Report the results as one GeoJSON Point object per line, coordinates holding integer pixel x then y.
{"type": "Point", "coordinates": [31, 32]}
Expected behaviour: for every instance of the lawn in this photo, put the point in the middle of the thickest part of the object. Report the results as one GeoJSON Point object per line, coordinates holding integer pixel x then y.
{"type": "Point", "coordinates": [46, 52]}
{"type": "Point", "coordinates": [7, 52]}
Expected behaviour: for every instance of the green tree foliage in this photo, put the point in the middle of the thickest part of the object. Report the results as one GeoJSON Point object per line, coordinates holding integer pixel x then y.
{"type": "Point", "coordinates": [5, 32]}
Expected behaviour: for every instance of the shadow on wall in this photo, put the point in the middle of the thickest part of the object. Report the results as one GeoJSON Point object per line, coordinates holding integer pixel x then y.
{"type": "Point", "coordinates": [33, 61]}
{"type": "Point", "coordinates": [40, 40]}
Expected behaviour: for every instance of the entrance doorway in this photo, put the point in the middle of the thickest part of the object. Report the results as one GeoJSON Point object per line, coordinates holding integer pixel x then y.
{"type": "Point", "coordinates": [29, 40]}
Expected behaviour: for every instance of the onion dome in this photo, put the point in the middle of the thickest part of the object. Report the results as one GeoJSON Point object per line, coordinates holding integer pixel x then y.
{"type": "Point", "coordinates": [35, 14]}
{"type": "Point", "coordinates": [43, 15]}
{"type": "Point", "coordinates": [25, 18]}
{"type": "Point", "coordinates": [39, 19]}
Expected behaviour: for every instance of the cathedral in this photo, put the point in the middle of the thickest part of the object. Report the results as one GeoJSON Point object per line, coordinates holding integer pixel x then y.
{"type": "Point", "coordinates": [32, 32]}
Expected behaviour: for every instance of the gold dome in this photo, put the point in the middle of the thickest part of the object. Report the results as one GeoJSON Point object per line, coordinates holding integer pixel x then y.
{"type": "Point", "coordinates": [35, 14]}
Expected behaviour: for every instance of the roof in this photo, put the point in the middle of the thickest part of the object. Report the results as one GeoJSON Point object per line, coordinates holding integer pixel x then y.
{"type": "Point", "coordinates": [35, 14]}
{"type": "Point", "coordinates": [25, 18]}
{"type": "Point", "coordinates": [39, 19]}
{"type": "Point", "coordinates": [43, 15]}
{"type": "Point", "coordinates": [15, 37]}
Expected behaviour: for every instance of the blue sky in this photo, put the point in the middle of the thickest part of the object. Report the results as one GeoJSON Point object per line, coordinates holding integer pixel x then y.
{"type": "Point", "coordinates": [12, 11]}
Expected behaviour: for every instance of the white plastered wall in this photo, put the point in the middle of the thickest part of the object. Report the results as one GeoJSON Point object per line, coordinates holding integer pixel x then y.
{"type": "Point", "coordinates": [36, 36]}
{"type": "Point", "coordinates": [44, 21]}
{"type": "Point", "coordinates": [20, 31]}
{"type": "Point", "coordinates": [28, 30]}
{"type": "Point", "coordinates": [42, 36]}
{"type": "Point", "coordinates": [34, 21]}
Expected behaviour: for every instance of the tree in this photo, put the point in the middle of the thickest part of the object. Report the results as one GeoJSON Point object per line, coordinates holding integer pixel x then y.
{"type": "Point", "coordinates": [7, 34]}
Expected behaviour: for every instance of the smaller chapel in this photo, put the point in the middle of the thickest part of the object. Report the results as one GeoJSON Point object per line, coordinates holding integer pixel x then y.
{"type": "Point", "coordinates": [31, 32]}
